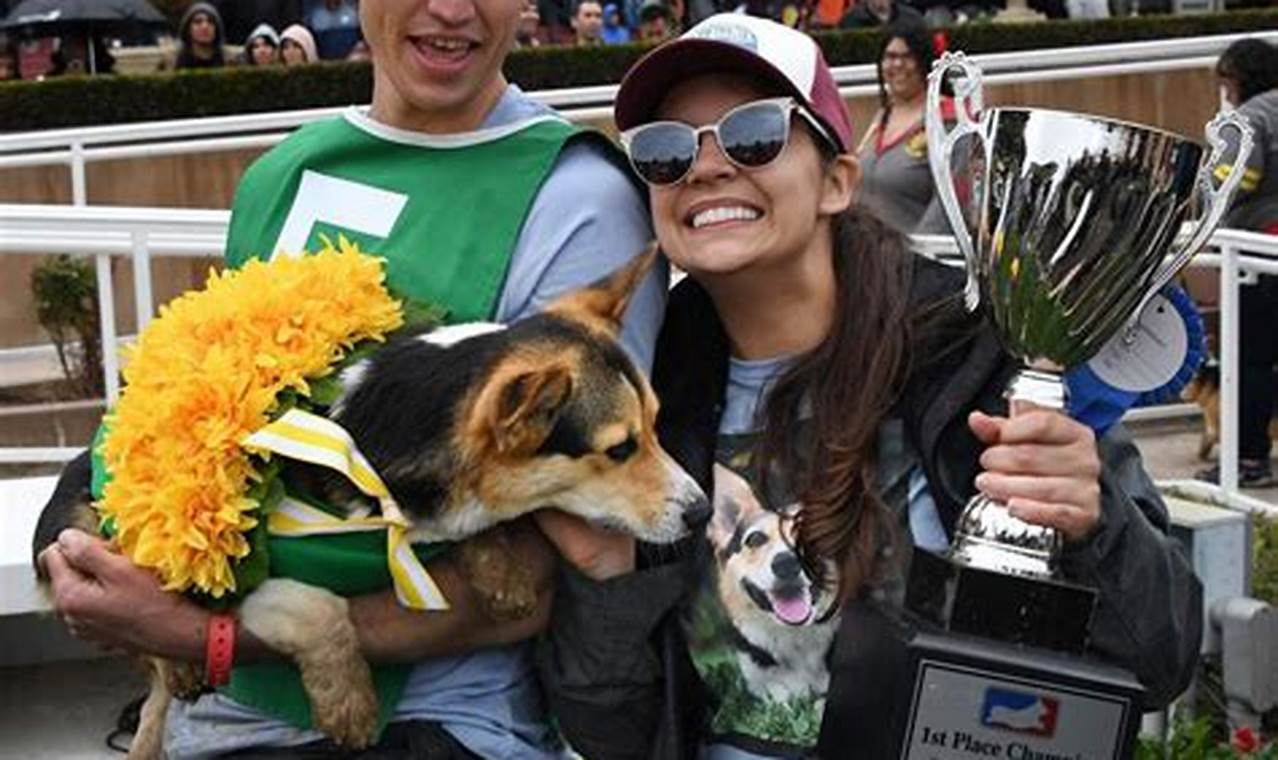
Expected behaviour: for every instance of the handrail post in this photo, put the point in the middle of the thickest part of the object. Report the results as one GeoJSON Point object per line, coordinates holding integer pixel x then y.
{"type": "Point", "coordinates": [142, 299]}
{"type": "Point", "coordinates": [1229, 354]}
{"type": "Point", "coordinates": [79, 188]}
{"type": "Point", "coordinates": [106, 316]}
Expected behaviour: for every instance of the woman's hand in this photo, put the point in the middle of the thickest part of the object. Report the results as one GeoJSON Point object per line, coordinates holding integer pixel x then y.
{"type": "Point", "coordinates": [1044, 466]}
{"type": "Point", "coordinates": [596, 552]}
{"type": "Point", "coordinates": [104, 598]}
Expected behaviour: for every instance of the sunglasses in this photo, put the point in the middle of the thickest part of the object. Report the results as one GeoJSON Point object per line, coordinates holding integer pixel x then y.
{"type": "Point", "coordinates": [751, 136]}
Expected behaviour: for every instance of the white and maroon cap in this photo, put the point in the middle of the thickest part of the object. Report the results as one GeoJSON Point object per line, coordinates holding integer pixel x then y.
{"type": "Point", "coordinates": [739, 44]}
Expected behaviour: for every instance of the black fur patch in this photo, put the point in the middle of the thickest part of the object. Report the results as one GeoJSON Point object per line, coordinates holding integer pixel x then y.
{"type": "Point", "coordinates": [761, 657]}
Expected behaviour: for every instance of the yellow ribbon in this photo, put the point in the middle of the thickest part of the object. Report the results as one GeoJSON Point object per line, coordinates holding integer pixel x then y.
{"type": "Point", "coordinates": [1250, 180]}
{"type": "Point", "coordinates": [318, 440]}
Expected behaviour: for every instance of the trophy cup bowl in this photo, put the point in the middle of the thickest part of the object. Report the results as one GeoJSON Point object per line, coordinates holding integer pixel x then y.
{"type": "Point", "coordinates": [1068, 226]}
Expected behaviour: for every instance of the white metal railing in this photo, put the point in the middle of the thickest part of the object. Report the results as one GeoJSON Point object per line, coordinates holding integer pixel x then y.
{"type": "Point", "coordinates": [76, 148]}
{"type": "Point", "coordinates": [141, 233]}
{"type": "Point", "coordinates": [104, 232]}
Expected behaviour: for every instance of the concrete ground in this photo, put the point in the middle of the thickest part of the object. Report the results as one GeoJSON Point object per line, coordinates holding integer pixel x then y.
{"type": "Point", "coordinates": [64, 710]}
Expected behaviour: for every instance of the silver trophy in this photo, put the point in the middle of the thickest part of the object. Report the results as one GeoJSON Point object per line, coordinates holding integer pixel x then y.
{"type": "Point", "coordinates": [1068, 225]}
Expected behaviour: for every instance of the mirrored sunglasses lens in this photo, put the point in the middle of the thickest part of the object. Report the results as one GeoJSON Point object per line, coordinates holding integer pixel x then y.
{"type": "Point", "coordinates": [663, 153]}
{"type": "Point", "coordinates": [755, 135]}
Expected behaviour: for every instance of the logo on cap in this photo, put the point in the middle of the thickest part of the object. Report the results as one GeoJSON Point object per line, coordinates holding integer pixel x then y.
{"type": "Point", "coordinates": [733, 34]}
{"type": "Point", "coordinates": [1020, 712]}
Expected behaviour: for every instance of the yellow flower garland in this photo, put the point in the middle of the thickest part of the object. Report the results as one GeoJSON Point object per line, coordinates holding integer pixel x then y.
{"type": "Point", "coordinates": [205, 374]}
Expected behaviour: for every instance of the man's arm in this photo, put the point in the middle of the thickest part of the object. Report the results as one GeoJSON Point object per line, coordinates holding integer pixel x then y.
{"type": "Point", "coordinates": [103, 597]}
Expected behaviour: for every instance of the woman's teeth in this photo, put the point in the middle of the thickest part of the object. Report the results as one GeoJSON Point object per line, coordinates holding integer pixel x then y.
{"type": "Point", "coordinates": [723, 214]}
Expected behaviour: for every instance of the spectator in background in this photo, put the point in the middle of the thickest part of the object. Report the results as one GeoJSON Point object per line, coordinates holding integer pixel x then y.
{"type": "Point", "coordinates": [655, 22]}
{"type": "Point", "coordinates": [527, 33]}
{"type": "Point", "coordinates": [869, 13]}
{"type": "Point", "coordinates": [297, 46]}
{"type": "Point", "coordinates": [201, 37]}
{"type": "Point", "coordinates": [1248, 75]}
{"type": "Point", "coordinates": [896, 180]}
{"type": "Point", "coordinates": [262, 48]}
{"type": "Point", "coordinates": [335, 24]}
{"type": "Point", "coordinates": [556, 21]}
{"type": "Point", "coordinates": [615, 31]}
{"type": "Point", "coordinates": [73, 57]}
{"type": "Point", "coordinates": [587, 22]}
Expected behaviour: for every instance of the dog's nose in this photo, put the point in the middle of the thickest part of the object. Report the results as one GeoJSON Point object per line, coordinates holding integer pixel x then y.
{"type": "Point", "coordinates": [786, 565]}
{"type": "Point", "coordinates": [697, 513]}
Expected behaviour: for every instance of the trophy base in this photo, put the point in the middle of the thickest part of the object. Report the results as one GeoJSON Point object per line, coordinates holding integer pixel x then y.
{"type": "Point", "coordinates": [1039, 612]}
{"type": "Point", "coordinates": [903, 689]}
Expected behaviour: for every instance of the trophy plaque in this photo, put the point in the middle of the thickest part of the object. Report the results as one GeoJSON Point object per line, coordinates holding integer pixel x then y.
{"type": "Point", "coordinates": [1068, 226]}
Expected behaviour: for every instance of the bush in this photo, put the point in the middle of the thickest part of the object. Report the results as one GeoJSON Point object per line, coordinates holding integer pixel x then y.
{"type": "Point", "coordinates": [66, 301]}
{"type": "Point", "coordinates": [77, 101]}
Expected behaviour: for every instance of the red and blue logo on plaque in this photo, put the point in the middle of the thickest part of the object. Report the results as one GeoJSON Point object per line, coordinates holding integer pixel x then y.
{"type": "Point", "coordinates": [1020, 712]}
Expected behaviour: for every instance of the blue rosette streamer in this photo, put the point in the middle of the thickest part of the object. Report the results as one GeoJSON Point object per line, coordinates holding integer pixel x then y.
{"type": "Point", "coordinates": [1099, 404]}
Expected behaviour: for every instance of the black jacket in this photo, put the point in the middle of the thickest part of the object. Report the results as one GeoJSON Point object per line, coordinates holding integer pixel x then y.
{"type": "Point", "coordinates": [614, 662]}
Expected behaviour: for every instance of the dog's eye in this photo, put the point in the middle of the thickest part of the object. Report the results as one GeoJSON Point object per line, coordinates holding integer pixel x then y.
{"type": "Point", "coordinates": [622, 451]}
{"type": "Point", "coordinates": [756, 539]}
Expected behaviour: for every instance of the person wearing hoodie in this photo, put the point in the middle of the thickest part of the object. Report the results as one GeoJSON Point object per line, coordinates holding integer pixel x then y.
{"type": "Point", "coordinates": [262, 48]}
{"type": "Point", "coordinates": [615, 32]}
{"type": "Point", "coordinates": [200, 32]}
{"type": "Point", "coordinates": [297, 46]}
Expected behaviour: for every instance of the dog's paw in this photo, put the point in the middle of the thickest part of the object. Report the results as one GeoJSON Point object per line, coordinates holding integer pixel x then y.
{"type": "Point", "coordinates": [343, 702]}
{"type": "Point", "coordinates": [183, 679]}
{"type": "Point", "coordinates": [514, 602]}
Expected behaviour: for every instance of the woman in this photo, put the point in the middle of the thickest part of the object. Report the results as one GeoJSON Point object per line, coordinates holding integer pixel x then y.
{"type": "Point", "coordinates": [896, 180]}
{"type": "Point", "coordinates": [297, 46]}
{"type": "Point", "coordinates": [824, 386]}
{"type": "Point", "coordinates": [200, 33]}
{"type": "Point", "coordinates": [262, 48]}
{"type": "Point", "coordinates": [1248, 76]}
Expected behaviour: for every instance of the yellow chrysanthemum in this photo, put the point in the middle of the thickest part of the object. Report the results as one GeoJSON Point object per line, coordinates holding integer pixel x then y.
{"type": "Point", "coordinates": [205, 374]}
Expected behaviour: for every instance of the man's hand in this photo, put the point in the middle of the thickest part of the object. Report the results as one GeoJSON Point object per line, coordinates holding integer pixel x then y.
{"type": "Point", "coordinates": [597, 553]}
{"type": "Point", "coordinates": [104, 598]}
{"type": "Point", "coordinates": [1044, 466]}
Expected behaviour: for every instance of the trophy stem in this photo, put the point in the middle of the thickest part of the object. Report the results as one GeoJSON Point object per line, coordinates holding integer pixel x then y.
{"type": "Point", "coordinates": [987, 536]}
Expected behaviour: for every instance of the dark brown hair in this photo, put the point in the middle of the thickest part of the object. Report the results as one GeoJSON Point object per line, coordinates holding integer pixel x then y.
{"type": "Point", "coordinates": [842, 389]}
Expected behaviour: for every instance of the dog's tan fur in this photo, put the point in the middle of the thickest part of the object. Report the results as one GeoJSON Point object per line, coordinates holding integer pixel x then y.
{"type": "Point", "coordinates": [1205, 392]}
{"type": "Point", "coordinates": [500, 427]}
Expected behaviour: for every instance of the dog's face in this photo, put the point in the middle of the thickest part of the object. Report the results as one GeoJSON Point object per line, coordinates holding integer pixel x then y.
{"type": "Point", "coordinates": [563, 419]}
{"type": "Point", "coordinates": [760, 575]}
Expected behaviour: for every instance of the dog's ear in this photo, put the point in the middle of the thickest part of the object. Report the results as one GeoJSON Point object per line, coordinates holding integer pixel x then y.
{"type": "Point", "coordinates": [732, 498]}
{"type": "Point", "coordinates": [603, 303]}
{"type": "Point", "coordinates": [518, 410]}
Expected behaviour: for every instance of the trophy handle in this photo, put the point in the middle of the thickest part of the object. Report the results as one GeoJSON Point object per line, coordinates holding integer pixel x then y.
{"type": "Point", "coordinates": [1217, 199]}
{"type": "Point", "coordinates": [968, 98]}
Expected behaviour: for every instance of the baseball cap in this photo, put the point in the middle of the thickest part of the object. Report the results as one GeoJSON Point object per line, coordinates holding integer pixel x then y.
{"type": "Point", "coordinates": [736, 43]}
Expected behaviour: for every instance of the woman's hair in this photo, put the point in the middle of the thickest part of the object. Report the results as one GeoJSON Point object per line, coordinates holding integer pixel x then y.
{"type": "Point", "coordinates": [916, 37]}
{"type": "Point", "coordinates": [841, 390]}
{"type": "Point", "coordinates": [1253, 64]}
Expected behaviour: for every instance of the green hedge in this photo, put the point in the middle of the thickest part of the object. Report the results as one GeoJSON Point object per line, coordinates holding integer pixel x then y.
{"type": "Point", "coordinates": [78, 101]}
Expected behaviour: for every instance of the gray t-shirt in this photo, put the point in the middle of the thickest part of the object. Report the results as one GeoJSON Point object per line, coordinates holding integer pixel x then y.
{"type": "Point", "coordinates": [775, 712]}
{"type": "Point", "coordinates": [586, 220]}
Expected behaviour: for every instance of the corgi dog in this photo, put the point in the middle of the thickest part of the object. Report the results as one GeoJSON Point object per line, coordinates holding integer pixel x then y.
{"type": "Point", "coordinates": [782, 621]}
{"type": "Point", "coordinates": [469, 426]}
{"type": "Point", "coordinates": [1204, 390]}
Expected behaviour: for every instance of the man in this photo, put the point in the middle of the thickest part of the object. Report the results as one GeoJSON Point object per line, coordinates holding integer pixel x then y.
{"type": "Point", "coordinates": [335, 24]}
{"type": "Point", "coordinates": [483, 202]}
{"type": "Point", "coordinates": [870, 13]}
{"type": "Point", "coordinates": [655, 21]}
{"type": "Point", "coordinates": [587, 22]}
